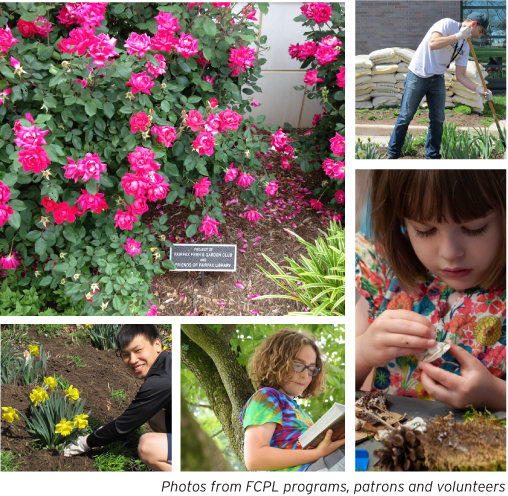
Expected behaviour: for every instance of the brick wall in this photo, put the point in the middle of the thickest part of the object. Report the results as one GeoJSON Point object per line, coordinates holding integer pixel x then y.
{"type": "Point", "coordinates": [381, 24]}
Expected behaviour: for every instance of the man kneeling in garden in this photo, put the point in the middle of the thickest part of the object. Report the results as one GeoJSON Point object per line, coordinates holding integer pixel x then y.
{"type": "Point", "coordinates": [140, 348]}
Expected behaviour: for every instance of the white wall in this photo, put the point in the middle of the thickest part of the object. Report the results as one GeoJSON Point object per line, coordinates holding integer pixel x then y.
{"type": "Point", "coordinates": [280, 102]}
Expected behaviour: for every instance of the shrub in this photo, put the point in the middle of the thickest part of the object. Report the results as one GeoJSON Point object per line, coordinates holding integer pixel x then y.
{"type": "Point", "coordinates": [318, 281]}
{"type": "Point", "coordinates": [106, 118]}
{"type": "Point", "coordinates": [462, 109]}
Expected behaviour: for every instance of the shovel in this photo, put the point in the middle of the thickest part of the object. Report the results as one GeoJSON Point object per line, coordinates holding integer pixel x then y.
{"type": "Point", "coordinates": [501, 135]}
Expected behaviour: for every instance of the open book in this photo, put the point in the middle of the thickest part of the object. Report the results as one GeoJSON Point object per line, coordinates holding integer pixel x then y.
{"type": "Point", "coordinates": [333, 419]}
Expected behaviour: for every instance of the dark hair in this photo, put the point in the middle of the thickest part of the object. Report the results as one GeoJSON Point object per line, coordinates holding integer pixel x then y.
{"type": "Point", "coordinates": [454, 195]}
{"type": "Point", "coordinates": [129, 331]}
{"type": "Point", "coordinates": [272, 362]}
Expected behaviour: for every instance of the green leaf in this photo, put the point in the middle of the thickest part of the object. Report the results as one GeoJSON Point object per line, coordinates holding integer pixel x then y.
{"type": "Point", "coordinates": [15, 220]}
{"type": "Point", "coordinates": [165, 106]}
{"type": "Point", "coordinates": [191, 230]}
{"type": "Point", "coordinates": [16, 94]}
{"type": "Point", "coordinates": [263, 8]}
{"type": "Point", "coordinates": [70, 235]}
{"type": "Point", "coordinates": [210, 27]}
{"type": "Point", "coordinates": [50, 101]}
{"type": "Point", "coordinates": [178, 148]}
{"type": "Point", "coordinates": [30, 17]}
{"type": "Point", "coordinates": [118, 8]}
{"type": "Point", "coordinates": [193, 218]}
{"type": "Point", "coordinates": [100, 124]}
{"type": "Point", "coordinates": [90, 108]}
{"type": "Point", "coordinates": [6, 71]}
{"type": "Point", "coordinates": [10, 179]}
{"type": "Point", "coordinates": [207, 53]}
{"type": "Point", "coordinates": [194, 99]}
{"type": "Point", "coordinates": [40, 247]}
{"type": "Point", "coordinates": [45, 54]}
{"type": "Point", "coordinates": [61, 267]}
{"type": "Point", "coordinates": [339, 95]}
{"type": "Point", "coordinates": [168, 264]}
{"type": "Point", "coordinates": [33, 236]}
{"type": "Point", "coordinates": [109, 108]}
{"type": "Point", "coordinates": [17, 205]}
{"type": "Point", "coordinates": [46, 281]}
{"type": "Point", "coordinates": [5, 131]}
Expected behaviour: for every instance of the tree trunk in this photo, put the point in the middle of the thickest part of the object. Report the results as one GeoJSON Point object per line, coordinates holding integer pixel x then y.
{"type": "Point", "coordinates": [226, 384]}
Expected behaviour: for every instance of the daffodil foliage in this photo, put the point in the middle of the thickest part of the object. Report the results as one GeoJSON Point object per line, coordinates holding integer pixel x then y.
{"type": "Point", "coordinates": [23, 368]}
{"type": "Point", "coordinates": [56, 419]}
{"type": "Point", "coordinates": [216, 385]}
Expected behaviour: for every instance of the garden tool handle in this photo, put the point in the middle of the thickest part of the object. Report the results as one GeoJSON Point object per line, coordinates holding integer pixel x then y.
{"type": "Point", "coordinates": [483, 80]}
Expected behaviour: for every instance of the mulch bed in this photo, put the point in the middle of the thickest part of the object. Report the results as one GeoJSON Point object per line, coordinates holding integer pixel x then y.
{"type": "Point", "coordinates": [103, 371]}
{"type": "Point", "coordinates": [180, 293]}
{"type": "Point", "coordinates": [384, 117]}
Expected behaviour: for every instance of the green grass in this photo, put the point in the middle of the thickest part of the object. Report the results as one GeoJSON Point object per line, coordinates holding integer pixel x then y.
{"type": "Point", "coordinates": [62, 383]}
{"type": "Point", "coordinates": [50, 330]}
{"type": "Point", "coordinates": [499, 102]}
{"type": "Point", "coordinates": [119, 395]}
{"type": "Point", "coordinates": [8, 463]}
{"type": "Point", "coordinates": [463, 109]}
{"type": "Point", "coordinates": [77, 361]}
{"type": "Point", "coordinates": [16, 335]}
{"type": "Point", "coordinates": [483, 54]}
{"type": "Point", "coordinates": [423, 120]}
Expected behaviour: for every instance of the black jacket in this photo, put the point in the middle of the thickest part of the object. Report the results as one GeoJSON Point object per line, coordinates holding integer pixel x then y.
{"type": "Point", "coordinates": [153, 396]}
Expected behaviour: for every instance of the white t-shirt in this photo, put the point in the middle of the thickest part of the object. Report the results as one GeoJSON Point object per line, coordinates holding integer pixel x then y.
{"type": "Point", "coordinates": [427, 62]}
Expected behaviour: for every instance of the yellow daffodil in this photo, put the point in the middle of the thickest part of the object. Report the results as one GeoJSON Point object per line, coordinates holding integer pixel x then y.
{"type": "Point", "coordinates": [170, 337]}
{"type": "Point", "coordinates": [88, 325]}
{"type": "Point", "coordinates": [164, 348]}
{"type": "Point", "coordinates": [64, 428]}
{"type": "Point", "coordinates": [72, 393]}
{"type": "Point", "coordinates": [80, 422]}
{"type": "Point", "coordinates": [9, 414]}
{"type": "Point", "coordinates": [38, 396]}
{"type": "Point", "coordinates": [34, 350]}
{"type": "Point", "coordinates": [50, 382]}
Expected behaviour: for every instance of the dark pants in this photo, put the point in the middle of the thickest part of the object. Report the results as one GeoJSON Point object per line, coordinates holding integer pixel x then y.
{"type": "Point", "coordinates": [415, 88]}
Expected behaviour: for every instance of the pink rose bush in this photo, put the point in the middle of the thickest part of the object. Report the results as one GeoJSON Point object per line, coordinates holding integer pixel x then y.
{"type": "Point", "coordinates": [101, 120]}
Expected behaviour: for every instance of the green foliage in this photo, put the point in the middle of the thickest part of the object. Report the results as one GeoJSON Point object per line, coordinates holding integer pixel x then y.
{"type": "Point", "coordinates": [318, 281]}
{"type": "Point", "coordinates": [118, 459]}
{"type": "Point", "coordinates": [14, 335]}
{"type": "Point", "coordinates": [409, 147]}
{"type": "Point", "coordinates": [63, 263]}
{"type": "Point", "coordinates": [21, 372]}
{"type": "Point", "coordinates": [77, 361]}
{"type": "Point", "coordinates": [103, 336]}
{"type": "Point", "coordinates": [312, 149]}
{"type": "Point", "coordinates": [462, 109]}
{"type": "Point", "coordinates": [119, 395]}
{"type": "Point", "coordinates": [460, 144]}
{"type": "Point", "coordinates": [50, 330]}
{"type": "Point", "coordinates": [368, 150]}
{"type": "Point", "coordinates": [43, 419]}
{"type": "Point", "coordinates": [8, 462]}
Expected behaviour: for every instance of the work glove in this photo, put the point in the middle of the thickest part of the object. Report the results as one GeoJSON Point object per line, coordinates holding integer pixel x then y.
{"type": "Point", "coordinates": [77, 448]}
{"type": "Point", "coordinates": [486, 95]}
{"type": "Point", "coordinates": [464, 33]}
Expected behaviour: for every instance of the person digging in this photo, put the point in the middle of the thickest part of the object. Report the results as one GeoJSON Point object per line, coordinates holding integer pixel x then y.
{"type": "Point", "coordinates": [444, 43]}
{"type": "Point", "coordinates": [140, 348]}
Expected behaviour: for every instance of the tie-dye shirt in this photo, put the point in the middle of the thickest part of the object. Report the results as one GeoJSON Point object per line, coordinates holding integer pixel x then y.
{"type": "Point", "coordinates": [476, 321]}
{"type": "Point", "coordinates": [270, 405]}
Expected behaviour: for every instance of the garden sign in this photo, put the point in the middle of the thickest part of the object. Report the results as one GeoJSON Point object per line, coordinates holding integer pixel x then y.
{"type": "Point", "coordinates": [204, 257]}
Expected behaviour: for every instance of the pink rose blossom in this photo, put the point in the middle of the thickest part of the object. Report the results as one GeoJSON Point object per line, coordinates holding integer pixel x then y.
{"type": "Point", "coordinates": [315, 204]}
{"type": "Point", "coordinates": [231, 173]}
{"type": "Point", "coordinates": [132, 247]}
{"type": "Point", "coordinates": [326, 54]}
{"type": "Point", "coordinates": [213, 102]}
{"type": "Point", "coordinates": [229, 120]}
{"type": "Point", "coordinates": [286, 165]}
{"type": "Point", "coordinates": [340, 196]}
{"type": "Point", "coordinates": [139, 206]}
{"type": "Point", "coordinates": [26, 28]}
{"type": "Point", "coordinates": [44, 28]}
{"type": "Point", "coordinates": [125, 220]}
{"type": "Point", "coordinates": [279, 140]}
{"type": "Point", "coordinates": [164, 41]}
{"type": "Point", "coordinates": [209, 79]}
{"type": "Point", "coordinates": [4, 94]}
{"type": "Point", "coordinates": [64, 212]}
{"type": "Point", "coordinates": [244, 180]}
{"type": "Point", "coordinates": [152, 312]}
{"type": "Point", "coordinates": [336, 170]}
{"type": "Point", "coordinates": [9, 262]}
{"type": "Point", "coordinates": [316, 119]}
{"type": "Point", "coordinates": [30, 136]}
{"type": "Point", "coordinates": [73, 170]}
{"type": "Point", "coordinates": [153, 69]}
{"type": "Point", "coordinates": [134, 185]}
{"type": "Point", "coordinates": [95, 203]}
{"type": "Point", "coordinates": [194, 120]}
{"type": "Point", "coordinates": [82, 82]}
{"type": "Point", "coordinates": [142, 160]}
{"type": "Point", "coordinates": [202, 187]}
{"type": "Point", "coordinates": [253, 215]}
{"type": "Point", "coordinates": [338, 144]}
{"type": "Point", "coordinates": [5, 193]}
{"type": "Point", "coordinates": [101, 49]}
{"type": "Point", "coordinates": [5, 212]}
{"type": "Point", "coordinates": [157, 188]}
{"type": "Point", "coordinates": [138, 44]}
{"type": "Point", "coordinates": [311, 77]}
{"type": "Point", "coordinates": [165, 134]}
{"type": "Point", "coordinates": [308, 49]}
{"type": "Point", "coordinates": [209, 226]}
{"type": "Point", "coordinates": [80, 39]}
{"type": "Point", "coordinates": [92, 167]}
{"type": "Point", "coordinates": [187, 45]}
{"type": "Point", "coordinates": [332, 41]}
{"type": "Point", "coordinates": [6, 39]}
{"type": "Point", "coordinates": [271, 189]}
{"type": "Point", "coordinates": [213, 124]}
{"type": "Point", "coordinates": [204, 144]}
{"type": "Point", "coordinates": [141, 82]}
{"type": "Point", "coordinates": [239, 285]}
{"type": "Point", "coordinates": [166, 23]}
{"type": "Point", "coordinates": [255, 103]}
{"type": "Point", "coordinates": [33, 158]}
{"type": "Point", "coordinates": [241, 58]}
{"type": "Point", "coordinates": [341, 78]}
{"type": "Point", "coordinates": [139, 122]}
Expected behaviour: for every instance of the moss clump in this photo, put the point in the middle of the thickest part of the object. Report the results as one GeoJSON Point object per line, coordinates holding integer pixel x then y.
{"type": "Point", "coordinates": [463, 109]}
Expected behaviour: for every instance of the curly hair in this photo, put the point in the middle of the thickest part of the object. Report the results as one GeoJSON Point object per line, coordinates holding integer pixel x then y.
{"type": "Point", "coordinates": [272, 362]}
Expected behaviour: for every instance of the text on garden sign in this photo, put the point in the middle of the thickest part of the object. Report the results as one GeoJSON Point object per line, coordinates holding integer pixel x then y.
{"type": "Point", "coordinates": [204, 257]}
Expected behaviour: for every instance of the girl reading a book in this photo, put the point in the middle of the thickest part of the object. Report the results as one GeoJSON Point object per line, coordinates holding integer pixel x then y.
{"type": "Point", "coordinates": [434, 272]}
{"type": "Point", "coordinates": [287, 365]}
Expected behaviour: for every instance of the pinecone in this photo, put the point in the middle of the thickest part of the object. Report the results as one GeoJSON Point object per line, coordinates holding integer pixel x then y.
{"type": "Point", "coordinates": [402, 451]}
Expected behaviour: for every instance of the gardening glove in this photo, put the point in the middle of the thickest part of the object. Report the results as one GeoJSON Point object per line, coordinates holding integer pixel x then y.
{"type": "Point", "coordinates": [464, 33]}
{"type": "Point", "coordinates": [485, 95]}
{"type": "Point", "coordinates": [77, 449]}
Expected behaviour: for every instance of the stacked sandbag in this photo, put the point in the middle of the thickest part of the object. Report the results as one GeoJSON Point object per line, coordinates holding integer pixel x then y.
{"type": "Point", "coordinates": [380, 78]}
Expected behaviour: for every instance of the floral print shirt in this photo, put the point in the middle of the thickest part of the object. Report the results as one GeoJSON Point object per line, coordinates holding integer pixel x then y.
{"type": "Point", "coordinates": [476, 321]}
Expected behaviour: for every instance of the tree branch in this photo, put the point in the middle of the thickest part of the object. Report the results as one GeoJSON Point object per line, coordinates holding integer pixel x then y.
{"type": "Point", "coordinates": [227, 332]}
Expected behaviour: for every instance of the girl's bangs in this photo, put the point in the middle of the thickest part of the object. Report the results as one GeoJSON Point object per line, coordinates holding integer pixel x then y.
{"type": "Point", "coordinates": [445, 196]}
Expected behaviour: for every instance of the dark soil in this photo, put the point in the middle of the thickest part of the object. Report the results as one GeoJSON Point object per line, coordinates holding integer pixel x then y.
{"type": "Point", "coordinates": [180, 293]}
{"type": "Point", "coordinates": [103, 371]}
{"type": "Point", "coordinates": [420, 153]}
{"type": "Point", "coordinates": [389, 117]}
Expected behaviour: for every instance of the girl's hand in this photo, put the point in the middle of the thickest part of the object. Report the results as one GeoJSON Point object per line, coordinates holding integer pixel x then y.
{"type": "Point", "coordinates": [474, 386]}
{"type": "Point", "coordinates": [394, 333]}
{"type": "Point", "coordinates": [327, 446]}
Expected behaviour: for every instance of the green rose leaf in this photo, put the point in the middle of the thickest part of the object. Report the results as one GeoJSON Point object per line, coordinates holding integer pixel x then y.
{"type": "Point", "coordinates": [40, 247]}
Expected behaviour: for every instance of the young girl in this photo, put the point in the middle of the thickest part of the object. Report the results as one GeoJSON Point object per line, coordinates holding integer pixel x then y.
{"type": "Point", "coordinates": [436, 272]}
{"type": "Point", "coordinates": [287, 365]}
